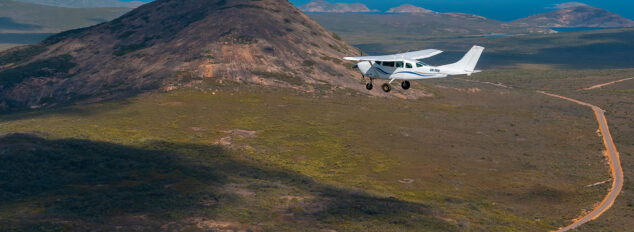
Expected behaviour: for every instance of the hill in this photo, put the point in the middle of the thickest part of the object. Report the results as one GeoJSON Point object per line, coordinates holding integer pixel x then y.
{"type": "Point", "coordinates": [166, 44]}
{"type": "Point", "coordinates": [409, 8]}
{"type": "Point", "coordinates": [377, 26]}
{"type": "Point", "coordinates": [322, 6]}
{"type": "Point", "coordinates": [87, 3]}
{"type": "Point", "coordinates": [576, 16]}
{"type": "Point", "coordinates": [20, 17]}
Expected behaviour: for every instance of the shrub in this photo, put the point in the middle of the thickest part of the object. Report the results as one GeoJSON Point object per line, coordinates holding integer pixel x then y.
{"type": "Point", "coordinates": [52, 67]}
{"type": "Point", "coordinates": [308, 63]}
{"type": "Point", "coordinates": [20, 54]}
{"type": "Point", "coordinates": [280, 76]}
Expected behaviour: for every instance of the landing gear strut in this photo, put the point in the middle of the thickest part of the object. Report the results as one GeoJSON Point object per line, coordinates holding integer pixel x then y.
{"type": "Point", "coordinates": [368, 85]}
{"type": "Point", "coordinates": [386, 87]}
{"type": "Point", "coordinates": [405, 85]}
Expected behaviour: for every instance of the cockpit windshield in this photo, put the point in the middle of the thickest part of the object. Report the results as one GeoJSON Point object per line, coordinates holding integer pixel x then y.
{"type": "Point", "coordinates": [420, 64]}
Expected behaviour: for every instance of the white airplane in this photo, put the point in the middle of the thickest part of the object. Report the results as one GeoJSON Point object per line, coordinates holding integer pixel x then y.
{"type": "Point", "coordinates": [407, 66]}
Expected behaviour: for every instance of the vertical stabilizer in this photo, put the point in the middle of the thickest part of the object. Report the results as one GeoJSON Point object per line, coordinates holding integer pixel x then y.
{"type": "Point", "coordinates": [468, 63]}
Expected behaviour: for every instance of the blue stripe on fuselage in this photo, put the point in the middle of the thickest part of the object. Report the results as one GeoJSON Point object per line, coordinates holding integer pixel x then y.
{"type": "Point", "coordinates": [418, 74]}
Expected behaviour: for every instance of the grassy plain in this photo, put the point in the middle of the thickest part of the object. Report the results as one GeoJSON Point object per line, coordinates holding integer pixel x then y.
{"type": "Point", "coordinates": [616, 99]}
{"type": "Point", "coordinates": [472, 158]}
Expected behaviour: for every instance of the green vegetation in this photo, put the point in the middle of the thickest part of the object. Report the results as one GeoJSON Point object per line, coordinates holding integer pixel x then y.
{"type": "Point", "coordinates": [616, 99]}
{"type": "Point", "coordinates": [53, 67]}
{"type": "Point", "coordinates": [18, 55]}
{"type": "Point", "coordinates": [308, 63]}
{"type": "Point", "coordinates": [294, 80]}
{"type": "Point", "coordinates": [313, 162]}
{"type": "Point", "coordinates": [125, 49]}
{"type": "Point", "coordinates": [335, 60]}
{"type": "Point", "coordinates": [334, 35]}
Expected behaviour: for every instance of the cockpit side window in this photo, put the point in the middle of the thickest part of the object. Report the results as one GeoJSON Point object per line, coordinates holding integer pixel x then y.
{"type": "Point", "coordinates": [420, 64]}
{"type": "Point", "coordinates": [378, 62]}
{"type": "Point", "coordinates": [388, 64]}
{"type": "Point", "coordinates": [408, 65]}
{"type": "Point", "coordinates": [399, 64]}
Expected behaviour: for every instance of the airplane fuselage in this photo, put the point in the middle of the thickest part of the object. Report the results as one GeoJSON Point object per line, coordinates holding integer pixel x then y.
{"type": "Point", "coordinates": [400, 70]}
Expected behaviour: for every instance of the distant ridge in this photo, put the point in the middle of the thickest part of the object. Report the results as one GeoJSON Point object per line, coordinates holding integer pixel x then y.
{"type": "Point", "coordinates": [87, 3]}
{"type": "Point", "coordinates": [321, 6]}
{"type": "Point", "coordinates": [576, 15]}
{"type": "Point", "coordinates": [409, 8]}
{"type": "Point", "coordinates": [23, 17]}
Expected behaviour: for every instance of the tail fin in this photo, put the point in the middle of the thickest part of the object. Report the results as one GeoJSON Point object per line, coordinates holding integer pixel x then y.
{"type": "Point", "coordinates": [468, 62]}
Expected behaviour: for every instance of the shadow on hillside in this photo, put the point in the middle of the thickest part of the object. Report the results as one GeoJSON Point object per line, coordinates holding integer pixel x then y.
{"type": "Point", "coordinates": [82, 110]}
{"type": "Point", "coordinates": [72, 179]}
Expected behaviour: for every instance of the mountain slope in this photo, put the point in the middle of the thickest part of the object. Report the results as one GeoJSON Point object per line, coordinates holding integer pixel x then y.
{"type": "Point", "coordinates": [576, 16]}
{"type": "Point", "coordinates": [325, 7]}
{"type": "Point", "coordinates": [86, 3]}
{"type": "Point", "coordinates": [166, 44]}
{"type": "Point", "coordinates": [33, 18]}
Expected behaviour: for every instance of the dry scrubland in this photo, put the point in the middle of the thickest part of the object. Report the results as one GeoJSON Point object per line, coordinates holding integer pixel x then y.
{"type": "Point", "coordinates": [473, 158]}
{"type": "Point", "coordinates": [617, 100]}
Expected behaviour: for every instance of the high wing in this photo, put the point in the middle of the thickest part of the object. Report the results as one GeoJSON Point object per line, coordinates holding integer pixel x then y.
{"type": "Point", "coordinates": [417, 55]}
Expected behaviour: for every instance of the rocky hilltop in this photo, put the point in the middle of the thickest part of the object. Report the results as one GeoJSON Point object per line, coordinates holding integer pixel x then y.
{"type": "Point", "coordinates": [576, 15]}
{"type": "Point", "coordinates": [166, 44]}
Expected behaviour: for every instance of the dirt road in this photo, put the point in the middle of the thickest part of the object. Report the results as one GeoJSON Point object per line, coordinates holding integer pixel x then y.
{"type": "Point", "coordinates": [611, 153]}
{"type": "Point", "coordinates": [615, 165]}
{"type": "Point", "coordinates": [609, 83]}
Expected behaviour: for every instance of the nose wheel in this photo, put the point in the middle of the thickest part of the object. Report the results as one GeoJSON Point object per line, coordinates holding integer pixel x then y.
{"type": "Point", "coordinates": [369, 86]}
{"type": "Point", "coordinates": [405, 85]}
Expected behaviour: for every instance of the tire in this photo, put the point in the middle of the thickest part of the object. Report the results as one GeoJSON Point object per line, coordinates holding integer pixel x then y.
{"type": "Point", "coordinates": [405, 85]}
{"type": "Point", "coordinates": [368, 86]}
{"type": "Point", "coordinates": [386, 88]}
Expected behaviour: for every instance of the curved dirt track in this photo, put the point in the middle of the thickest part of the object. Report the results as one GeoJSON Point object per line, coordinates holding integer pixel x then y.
{"type": "Point", "coordinates": [611, 153]}
{"type": "Point", "coordinates": [615, 165]}
{"type": "Point", "coordinates": [609, 83]}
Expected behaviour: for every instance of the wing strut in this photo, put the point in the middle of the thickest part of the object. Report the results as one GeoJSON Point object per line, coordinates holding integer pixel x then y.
{"type": "Point", "coordinates": [377, 73]}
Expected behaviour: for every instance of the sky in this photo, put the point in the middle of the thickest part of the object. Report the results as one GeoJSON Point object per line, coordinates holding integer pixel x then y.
{"type": "Point", "coordinates": [505, 10]}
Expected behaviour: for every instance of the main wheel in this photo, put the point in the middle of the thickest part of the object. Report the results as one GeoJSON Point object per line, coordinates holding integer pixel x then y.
{"type": "Point", "coordinates": [368, 86]}
{"type": "Point", "coordinates": [405, 85]}
{"type": "Point", "coordinates": [386, 87]}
